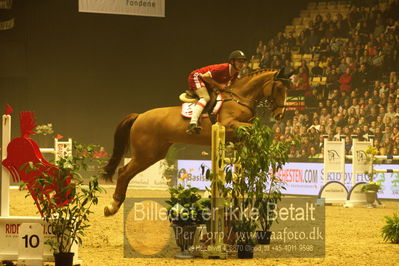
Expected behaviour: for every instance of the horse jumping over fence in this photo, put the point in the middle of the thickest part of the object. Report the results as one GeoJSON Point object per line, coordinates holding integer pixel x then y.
{"type": "Point", "coordinates": [149, 135]}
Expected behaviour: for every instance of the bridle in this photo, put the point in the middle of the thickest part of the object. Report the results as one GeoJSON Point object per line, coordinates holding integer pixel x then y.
{"type": "Point", "coordinates": [270, 103]}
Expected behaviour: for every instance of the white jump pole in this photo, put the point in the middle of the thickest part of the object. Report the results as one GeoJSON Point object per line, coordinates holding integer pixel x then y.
{"type": "Point", "coordinates": [5, 176]}
{"type": "Point", "coordinates": [386, 157]}
{"type": "Point", "coordinates": [385, 171]}
{"type": "Point", "coordinates": [47, 150]}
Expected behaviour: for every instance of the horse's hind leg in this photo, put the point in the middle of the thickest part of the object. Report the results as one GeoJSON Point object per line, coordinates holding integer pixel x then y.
{"type": "Point", "coordinates": [137, 164]}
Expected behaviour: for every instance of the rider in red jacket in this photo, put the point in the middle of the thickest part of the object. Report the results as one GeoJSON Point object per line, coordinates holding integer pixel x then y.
{"type": "Point", "coordinates": [214, 76]}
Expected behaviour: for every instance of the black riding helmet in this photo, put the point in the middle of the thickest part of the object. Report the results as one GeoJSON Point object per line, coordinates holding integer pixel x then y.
{"type": "Point", "coordinates": [237, 55]}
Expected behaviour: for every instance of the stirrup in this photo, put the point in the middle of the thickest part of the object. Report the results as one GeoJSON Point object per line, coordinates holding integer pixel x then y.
{"type": "Point", "coordinates": [212, 117]}
{"type": "Point", "coordinates": [193, 128]}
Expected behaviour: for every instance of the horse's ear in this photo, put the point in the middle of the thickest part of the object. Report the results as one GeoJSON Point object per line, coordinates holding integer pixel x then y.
{"type": "Point", "coordinates": [285, 79]}
{"type": "Point", "coordinates": [279, 74]}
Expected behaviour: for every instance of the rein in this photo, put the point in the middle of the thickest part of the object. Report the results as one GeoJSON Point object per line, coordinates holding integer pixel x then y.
{"type": "Point", "coordinates": [234, 97]}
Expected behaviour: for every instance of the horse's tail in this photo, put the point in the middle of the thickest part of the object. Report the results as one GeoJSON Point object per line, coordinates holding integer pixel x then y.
{"type": "Point", "coordinates": [121, 143]}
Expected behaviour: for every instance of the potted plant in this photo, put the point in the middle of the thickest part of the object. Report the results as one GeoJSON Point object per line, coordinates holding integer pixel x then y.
{"type": "Point", "coordinates": [186, 212]}
{"type": "Point", "coordinates": [254, 183]}
{"type": "Point", "coordinates": [65, 202]}
{"type": "Point", "coordinates": [370, 189]}
{"type": "Point", "coordinates": [246, 238]}
{"type": "Point", "coordinates": [390, 231]}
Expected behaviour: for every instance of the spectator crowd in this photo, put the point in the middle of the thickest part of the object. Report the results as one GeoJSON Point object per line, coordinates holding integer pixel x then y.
{"type": "Point", "coordinates": [357, 53]}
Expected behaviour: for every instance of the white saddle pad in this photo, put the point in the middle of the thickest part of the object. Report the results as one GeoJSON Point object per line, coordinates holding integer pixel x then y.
{"type": "Point", "coordinates": [187, 108]}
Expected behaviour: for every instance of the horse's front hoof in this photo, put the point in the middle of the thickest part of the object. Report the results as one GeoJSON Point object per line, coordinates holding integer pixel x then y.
{"type": "Point", "coordinates": [112, 208]}
{"type": "Point", "coordinates": [108, 211]}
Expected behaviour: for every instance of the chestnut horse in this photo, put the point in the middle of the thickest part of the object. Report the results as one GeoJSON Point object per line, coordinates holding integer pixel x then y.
{"type": "Point", "coordinates": [150, 134]}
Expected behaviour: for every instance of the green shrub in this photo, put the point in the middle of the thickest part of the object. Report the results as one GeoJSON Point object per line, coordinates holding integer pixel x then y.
{"type": "Point", "coordinates": [390, 232]}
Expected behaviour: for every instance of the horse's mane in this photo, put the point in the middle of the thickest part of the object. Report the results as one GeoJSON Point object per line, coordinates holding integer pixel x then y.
{"type": "Point", "coordinates": [253, 74]}
{"type": "Point", "coordinates": [257, 72]}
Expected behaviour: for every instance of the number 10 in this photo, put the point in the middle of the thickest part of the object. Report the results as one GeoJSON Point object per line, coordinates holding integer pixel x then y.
{"type": "Point", "coordinates": [34, 241]}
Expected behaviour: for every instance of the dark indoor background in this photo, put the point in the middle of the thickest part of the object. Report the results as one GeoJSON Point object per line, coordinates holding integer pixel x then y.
{"type": "Point", "coordinates": [83, 72]}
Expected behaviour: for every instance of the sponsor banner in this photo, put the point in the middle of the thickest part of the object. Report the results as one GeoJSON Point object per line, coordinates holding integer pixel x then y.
{"type": "Point", "coordinates": [190, 172]}
{"type": "Point", "coordinates": [300, 178]}
{"type": "Point", "coordinates": [389, 181]}
{"type": "Point", "coordinates": [152, 8]}
{"type": "Point", "coordinates": [151, 178]}
{"type": "Point", "coordinates": [295, 103]}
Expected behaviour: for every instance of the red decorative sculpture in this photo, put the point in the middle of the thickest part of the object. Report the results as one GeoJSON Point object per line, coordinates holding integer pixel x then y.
{"type": "Point", "coordinates": [9, 109]}
{"type": "Point", "coordinates": [21, 151]}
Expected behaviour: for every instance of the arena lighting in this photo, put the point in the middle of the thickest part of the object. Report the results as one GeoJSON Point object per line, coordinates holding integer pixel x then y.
{"type": "Point", "coordinates": [7, 22]}
{"type": "Point", "coordinates": [6, 4]}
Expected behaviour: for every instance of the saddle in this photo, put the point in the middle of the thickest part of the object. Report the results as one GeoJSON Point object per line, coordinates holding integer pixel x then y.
{"type": "Point", "coordinates": [189, 99]}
